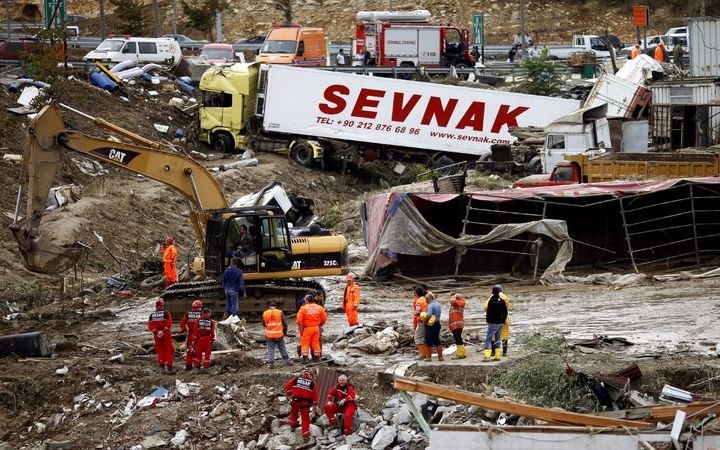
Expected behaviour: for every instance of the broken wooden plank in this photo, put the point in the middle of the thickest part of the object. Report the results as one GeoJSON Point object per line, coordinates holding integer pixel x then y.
{"type": "Point", "coordinates": [694, 410]}
{"type": "Point", "coordinates": [493, 404]}
{"type": "Point", "coordinates": [416, 413]}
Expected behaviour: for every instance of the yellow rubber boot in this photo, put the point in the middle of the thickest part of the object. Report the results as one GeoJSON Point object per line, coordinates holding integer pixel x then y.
{"type": "Point", "coordinates": [498, 354]}
{"type": "Point", "coordinates": [460, 353]}
{"type": "Point", "coordinates": [487, 355]}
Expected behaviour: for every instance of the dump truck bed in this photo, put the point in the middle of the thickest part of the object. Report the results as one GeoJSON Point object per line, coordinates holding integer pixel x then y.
{"type": "Point", "coordinates": [616, 166]}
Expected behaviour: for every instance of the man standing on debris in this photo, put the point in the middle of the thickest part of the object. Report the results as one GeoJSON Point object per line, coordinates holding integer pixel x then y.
{"type": "Point", "coordinates": [309, 319]}
{"type": "Point", "coordinates": [204, 338]}
{"type": "Point", "coordinates": [302, 390]}
{"type": "Point", "coordinates": [351, 300]}
{"type": "Point", "coordinates": [432, 327]}
{"type": "Point", "coordinates": [678, 54]}
{"type": "Point", "coordinates": [169, 259]}
{"type": "Point", "coordinates": [505, 332]}
{"type": "Point", "coordinates": [341, 400]}
{"type": "Point", "coordinates": [660, 52]}
{"type": "Point", "coordinates": [419, 307]}
{"type": "Point", "coordinates": [635, 50]}
{"type": "Point", "coordinates": [188, 323]}
{"type": "Point", "coordinates": [275, 326]}
{"type": "Point", "coordinates": [495, 316]}
{"type": "Point", "coordinates": [234, 286]}
{"type": "Point", "coordinates": [160, 324]}
{"type": "Point", "coordinates": [456, 323]}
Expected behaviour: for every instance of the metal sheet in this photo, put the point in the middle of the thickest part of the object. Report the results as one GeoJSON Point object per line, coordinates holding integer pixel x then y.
{"type": "Point", "coordinates": [704, 41]}
{"type": "Point", "coordinates": [686, 92]}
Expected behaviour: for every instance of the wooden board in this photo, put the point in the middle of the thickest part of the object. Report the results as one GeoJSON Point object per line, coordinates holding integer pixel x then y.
{"type": "Point", "coordinates": [494, 404]}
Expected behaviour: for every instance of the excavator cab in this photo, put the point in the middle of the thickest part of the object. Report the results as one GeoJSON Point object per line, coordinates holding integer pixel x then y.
{"type": "Point", "coordinates": [257, 237]}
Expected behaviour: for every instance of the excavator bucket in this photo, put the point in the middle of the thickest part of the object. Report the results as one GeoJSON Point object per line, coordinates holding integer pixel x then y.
{"type": "Point", "coordinates": [41, 159]}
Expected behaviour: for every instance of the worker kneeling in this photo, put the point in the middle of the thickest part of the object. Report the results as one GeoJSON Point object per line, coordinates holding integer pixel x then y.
{"type": "Point", "coordinates": [341, 400]}
{"type": "Point", "coordinates": [302, 390]}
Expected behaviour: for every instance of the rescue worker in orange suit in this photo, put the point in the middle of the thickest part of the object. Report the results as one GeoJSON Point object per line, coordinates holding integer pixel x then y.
{"type": "Point", "coordinates": [341, 400]}
{"type": "Point", "coordinates": [204, 338]}
{"type": "Point", "coordinates": [160, 324]}
{"type": "Point", "coordinates": [456, 323]}
{"type": "Point", "coordinates": [660, 52]}
{"type": "Point", "coordinates": [419, 307]}
{"type": "Point", "coordinates": [351, 300]}
{"type": "Point", "coordinates": [635, 50]}
{"type": "Point", "coordinates": [275, 326]}
{"type": "Point", "coordinates": [309, 320]}
{"type": "Point", "coordinates": [302, 390]}
{"type": "Point", "coordinates": [505, 332]}
{"type": "Point", "coordinates": [169, 259]}
{"type": "Point", "coordinates": [187, 325]}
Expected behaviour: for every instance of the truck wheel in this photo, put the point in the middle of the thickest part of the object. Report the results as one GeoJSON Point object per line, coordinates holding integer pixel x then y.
{"type": "Point", "coordinates": [406, 76]}
{"type": "Point", "coordinates": [223, 143]}
{"type": "Point", "coordinates": [443, 161]}
{"type": "Point", "coordinates": [302, 154]}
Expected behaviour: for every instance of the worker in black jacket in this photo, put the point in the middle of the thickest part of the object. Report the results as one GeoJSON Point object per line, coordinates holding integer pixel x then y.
{"type": "Point", "coordinates": [495, 317]}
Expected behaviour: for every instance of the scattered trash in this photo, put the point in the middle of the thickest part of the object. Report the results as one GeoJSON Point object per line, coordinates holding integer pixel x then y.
{"type": "Point", "coordinates": [155, 397]}
{"type": "Point", "coordinates": [103, 81]}
{"type": "Point", "coordinates": [25, 344]}
{"type": "Point", "coordinates": [117, 358]}
{"type": "Point", "coordinates": [180, 438]}
{"type": "Point", "coordinates": [673, 394]}
{"type": "Point", "coordinates": [12, 157]}
{"type": "Point", "coordinates": [28, 95]}
{"type": "Point", "coordinates": [238, 164]}
{"type": "Point", "coordinates": [161, 128]}
{"type": "Point", "coordinates": [62, 371]}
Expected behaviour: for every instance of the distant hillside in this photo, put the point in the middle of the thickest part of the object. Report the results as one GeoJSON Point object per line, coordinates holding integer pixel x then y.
{"type": "Point", "coordinates": [549, 21]}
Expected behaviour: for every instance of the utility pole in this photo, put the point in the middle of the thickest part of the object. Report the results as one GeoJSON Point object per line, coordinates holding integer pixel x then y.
{"type": "Point", "coordinates": [174, 10]}
{"type": "Point", "coordinates": [156, 16]}
{"type": "Point", "coordinates": [7, 17]}
{"type": "Point", "coordinates": [522, 29]}
{"type": "Point", "coordinates": [218, 22]}
{"type": "Point", "coordinates": [102, 19]}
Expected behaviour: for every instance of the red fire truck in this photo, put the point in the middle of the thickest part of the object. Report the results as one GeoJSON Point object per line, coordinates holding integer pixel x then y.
{"type": "Point", "coordinates": [406, 39]}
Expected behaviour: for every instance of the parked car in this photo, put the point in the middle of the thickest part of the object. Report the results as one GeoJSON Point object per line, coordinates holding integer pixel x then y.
{"type": "Point", "coordinates": [249, 44]}
{"type": "Point", "coordinates": [140, 50]}
{"type": "Point", "coordinates": [217, 53]}
{"type": "Point", "coordinates": [12, 49]}
{"type": "Point", "coordinates": [185, 41]}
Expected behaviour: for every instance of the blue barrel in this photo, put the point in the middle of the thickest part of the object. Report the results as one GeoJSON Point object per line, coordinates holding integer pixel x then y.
{"type": "Point", "coordinates": [189, 89]}
{"type": "Point", "coordinates": [103, 81]}
{"type": "Point", "coordinates": [179, 133]}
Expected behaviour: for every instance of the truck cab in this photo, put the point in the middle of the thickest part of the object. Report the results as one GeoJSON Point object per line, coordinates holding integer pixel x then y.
{"type": "Point", "coordinates": [294, 44]}
{"type": "Point", "coordinates": [228, 101]}
{"type": "Point", "coordinates": [584, 129]}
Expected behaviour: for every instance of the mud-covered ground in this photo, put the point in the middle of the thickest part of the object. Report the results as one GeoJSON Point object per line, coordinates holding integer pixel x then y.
{"type": "Point", "coordinates": [670, 325]}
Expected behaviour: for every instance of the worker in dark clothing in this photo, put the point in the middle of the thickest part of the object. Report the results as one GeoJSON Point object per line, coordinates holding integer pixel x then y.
{"type": "Point", "coordinates": [234, 287]}
{"type": "Point", "coordinates": [432, 326]}
{"type": "Point", "coordinates": [678, 53]}
{"type": "Point", "coordinates": [495, 317]}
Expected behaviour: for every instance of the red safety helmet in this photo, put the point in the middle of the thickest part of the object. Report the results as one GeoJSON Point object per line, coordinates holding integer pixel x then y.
{"type": "Point", "coordinates": [159, 304]}
{"type": "Point", "coordinates": [196, 305]}
{"type": "Point", "coordinates": [170, 240]}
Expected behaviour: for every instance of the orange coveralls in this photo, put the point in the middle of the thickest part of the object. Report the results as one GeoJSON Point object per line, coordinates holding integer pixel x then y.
{"type": "Point", "coordinates": [169, 258]}
{"type": "Point", "coordinates": [309, 320]}
{"type": "Point", "coordinates": [351, 302]}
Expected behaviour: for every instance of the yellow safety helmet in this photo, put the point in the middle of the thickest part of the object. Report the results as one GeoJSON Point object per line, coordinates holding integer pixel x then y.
{"type": "Point", "coordinates": [431, 319]}
{"type": "Point", "coordinates": [423, 316]}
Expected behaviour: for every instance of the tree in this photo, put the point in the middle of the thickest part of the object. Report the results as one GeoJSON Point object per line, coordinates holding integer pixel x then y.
{"type": "Point", "coordinates": [285, 7]}
{"type": "Point", "coordinates": [541, 78]}
{"type": "Point", "coordinates": [129, 13]}
{"type": "Point", "coordinates": [201, 13]}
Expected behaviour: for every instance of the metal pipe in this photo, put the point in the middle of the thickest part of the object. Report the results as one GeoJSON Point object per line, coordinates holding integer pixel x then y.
{"type": "Point", "coordinates": [660, 229]}
{"type": "Point", "coordinates": [627, 235]}
{"type": "Point", "coordinates": [659, 218]}
{"type": "Point", "coordinates": [500, 251]}
{"type": "Point", "coordinates": [694, 224]}
{"type": "Point", "coordinates": [195, 189]}
{"type": "Point", "coordinates": [17, 203]}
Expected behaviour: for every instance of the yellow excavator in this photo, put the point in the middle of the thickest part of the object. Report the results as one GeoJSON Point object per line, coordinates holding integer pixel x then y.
{"type": "Point", "coordinates": [275, 262]}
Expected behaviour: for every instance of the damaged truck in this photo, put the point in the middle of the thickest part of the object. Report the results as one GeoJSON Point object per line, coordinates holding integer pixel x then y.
{"type": "Point", "coordinates": [358, 117]}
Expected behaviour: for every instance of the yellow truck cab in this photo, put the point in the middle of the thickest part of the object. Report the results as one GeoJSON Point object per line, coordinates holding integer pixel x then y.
{"type": "Point", "coordinates": [293, 44]}
{"type": "Point", "coordinates": [228, 101]}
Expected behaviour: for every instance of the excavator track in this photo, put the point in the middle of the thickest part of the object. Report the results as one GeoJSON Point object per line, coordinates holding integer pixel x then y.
{"type": "Point", "coordinates": [285, 293]}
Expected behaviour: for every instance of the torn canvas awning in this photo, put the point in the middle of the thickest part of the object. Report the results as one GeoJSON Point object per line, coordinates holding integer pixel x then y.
{"type": "Point", "coordinates": [398, 227]}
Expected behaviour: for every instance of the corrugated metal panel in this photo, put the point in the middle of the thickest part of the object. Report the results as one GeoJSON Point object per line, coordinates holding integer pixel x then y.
{"type": "Point", "coordinates": [706, 92]}
{"type": "Point", "coordinates": [704, 42]}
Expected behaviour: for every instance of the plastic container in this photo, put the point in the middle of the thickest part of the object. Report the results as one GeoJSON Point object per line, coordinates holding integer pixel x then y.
{"type": "Point", "coordinates": [102, 81]}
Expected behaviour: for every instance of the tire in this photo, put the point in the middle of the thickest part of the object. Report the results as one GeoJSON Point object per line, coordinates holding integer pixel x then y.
{"type": "Point", "coordinates": [440, 164]}
{"type": "Point", "coordinates": [153, 281]}
{"type": "Point", "coordinates": [302, 154]}
{"type": "Point", "coordinates": [408, 76]}
{"type": "Point", "coordinates": [223, 143]}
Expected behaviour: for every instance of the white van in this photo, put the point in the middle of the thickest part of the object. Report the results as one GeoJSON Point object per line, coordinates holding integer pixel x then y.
{"type": "Point", "coordinates": [140, 50]}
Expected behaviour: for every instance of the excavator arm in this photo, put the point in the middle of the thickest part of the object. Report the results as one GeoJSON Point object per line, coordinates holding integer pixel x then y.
{"type": "Point", "coordinates": [48, 137]}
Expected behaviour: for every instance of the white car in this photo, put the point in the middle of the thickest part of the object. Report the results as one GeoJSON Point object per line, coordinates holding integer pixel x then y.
{"type": "Point", "coordinates": [140, 50]}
